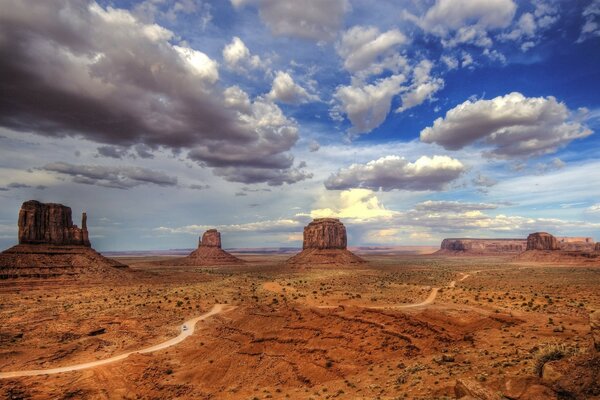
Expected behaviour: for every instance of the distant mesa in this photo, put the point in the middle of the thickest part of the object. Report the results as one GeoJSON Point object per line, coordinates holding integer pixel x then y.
{"type": "Point", "coordinates": [544, 247]}
{"type": "Point", "coordinates": [325, 242]}
{"type": "Point", "coordinates": [482, 246]}
{"type": "Point", "coordinates": [542, 241]}
{"type": "Point", "coordinates": [50, 245]}
{"type": "Point", "coordinates": [209, 252]}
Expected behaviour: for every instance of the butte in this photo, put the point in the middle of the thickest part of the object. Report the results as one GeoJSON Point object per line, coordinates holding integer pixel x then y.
{"type": "Point", "coordinates": [51, 246]}
{"type": "Point", "coordinates": [209, 252]}
{"type": "Point", "coordinates": [544, 247]}
{"type": "Point", "coordinates": [325, 242]}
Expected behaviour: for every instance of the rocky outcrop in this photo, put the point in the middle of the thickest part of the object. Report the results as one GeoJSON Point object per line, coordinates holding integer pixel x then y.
{"type": "Point", "coordinates": [542, 241]}
{"type": "Point", "coordinates": [325, 233]}
{"type": "Point", "coordinates": [482, 246]}
{"type": "Point", "coordinates": [325, 242]}
{"type": "Point", "coordinates": [209, 252]}
{"type": "Point", "coordinates": [211, 238]}
{"type": "Point", "coordinates": [50, 224]}
{"type": "Point", "coordinates": [597, 247]}
{"type": "Point", "coordinates": [51, 246]}
{"type": "Point", "coordinates": [576, 243]}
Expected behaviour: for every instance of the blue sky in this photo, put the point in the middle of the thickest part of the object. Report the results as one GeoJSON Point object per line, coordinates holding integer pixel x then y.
{"type": "Point", "coordinates": [409, 120]}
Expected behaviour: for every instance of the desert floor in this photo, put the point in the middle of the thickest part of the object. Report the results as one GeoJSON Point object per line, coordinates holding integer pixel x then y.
{"type": "Point", "coordinates": [396, 327]}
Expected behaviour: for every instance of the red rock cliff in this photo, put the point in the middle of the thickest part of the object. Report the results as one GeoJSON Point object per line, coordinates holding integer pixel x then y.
{"type": "Point", "coordinates": [50, 223]}
{"type": "Point", "coordinates": [542, 241]}
{"type": "Point", "coordinates": [211, 238]}
{"type": "Point", "coordinates": [325, 233]}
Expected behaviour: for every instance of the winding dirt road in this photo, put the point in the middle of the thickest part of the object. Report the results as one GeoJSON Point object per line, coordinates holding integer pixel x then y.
{"type": "Point", "coordinates": [187, 329]}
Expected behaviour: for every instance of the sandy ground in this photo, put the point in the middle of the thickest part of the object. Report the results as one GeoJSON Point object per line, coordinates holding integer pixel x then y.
{"type": "Point", "coordinates": [397, 327]}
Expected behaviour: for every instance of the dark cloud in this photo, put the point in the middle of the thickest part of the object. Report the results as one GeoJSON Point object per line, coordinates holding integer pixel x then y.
{"type": "Point", "coordinates": [17, 185]}
{"type": "Point", "coordinates": [392, 172]}
{"type": "Point", "coordinates": [73, 68]}
{"type": "Point", "coordinates": [112, 151]}
{"type": "Point", "coordinates": [122, 177]}
{"type": "Point", "coordinates": [272, 177]}
{"type": "Point", "coordinates": [199, 187]}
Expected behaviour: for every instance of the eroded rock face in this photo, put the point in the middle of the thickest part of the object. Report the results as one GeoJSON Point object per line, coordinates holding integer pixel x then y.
{"type": "Point", "coordinates": [50, 224]}
{"type": "Point", "coordinates": [597, 248]}
{"type": "Point", "coordinates": [484, 245]}
{"type": "Point", "coordinates": [211, 238]}
{"type": "Point", "coordinates": [325, 233]}
{"type": "Point", "coordinates": [542, 241]}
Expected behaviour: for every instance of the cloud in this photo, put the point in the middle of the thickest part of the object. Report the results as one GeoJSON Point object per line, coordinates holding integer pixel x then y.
{"type": "Point", "coordinates": [355, 204]}
{"type": "Point", "coordinates": [466, 21]}
{"type": "Point", "coordinates": [237, 57]}
{"type": "Point", "coordinates": [393, 172]}
{"type": "Point", "coordinates": [484, 181]}
{"type": "Point", "coordinates": [527, 29]}
{"type": "Point", "coordinates": [18, 185]}
{"type": "Point", "coordinates": [594, 208]}
{"type": "Point", "coordinates": [367, 51]}
{"type": "Point", "coordinates": [424, 86]}
{"type": "Point", "coordinates": [367, 105]}
{"type": "Point", "coordinates": [512, 125]}
{"type": "Point", "coordinates": [453, 206]}
{"type": "Point", "coordinates": [121, 177]}
{"type": "Point", "coordinates": [74, 68]}
{"type": "Point", "coordinates": [113, 151]}
{"type": "Point", "coordinates": [313, 146]}
{"type": "Point", "coordinates": [316, 20]}
{"type": "Point", "coordinates": [285, 90]}
{"type": "Point", "coordinates": [591, 16]}
{"type": "Point", "coordinates": [269, 226]}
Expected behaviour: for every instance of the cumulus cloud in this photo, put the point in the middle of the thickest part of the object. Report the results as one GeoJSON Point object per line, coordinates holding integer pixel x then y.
{"type": "Point", "coordinates": [527, 29]}
{"type": "Point", "coordinates": [76, 68]}
{"type": "Point", "coordinates": [118, 177]}
{"type": "Point", "coordinates": [466, 21]}
{"type": "Point", "coordinates": [393, 172]}
{"type": "Point", "coordinates": [512, 125]}
{"type": "Point", "coordinates": [237, 57]}
{"type": "Point", "coordinates": [355, 204]}
{"type": "Point", "coordinates": [285, 90]}
{"type": "Point", "coordinates": [367, 105]}
{"type": "Point", "coordinates": [367, 51]}
{"type": "Point", "coordinates": [316, 20]}
{"type": "Point", "coordinates": [591, 26]}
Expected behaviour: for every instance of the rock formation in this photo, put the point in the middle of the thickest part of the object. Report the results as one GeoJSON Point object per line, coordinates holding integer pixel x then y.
{"type": "Point", "coordinates": [597, 247]}
{"type": "Point", "coordinates": [542, 241]}
{"type": "Point", "coordinates": [482, 246]}
{"type": "Point", "coordinates": [576, 243]}
{"type": "Point", "coordinates": [51, 246]}
{"type": "Point", "coordinates": [50, 223]}
{"type": "Point", "coordinates": [325, 242]}
{"type": "Point", "coordinates": [209, 252]}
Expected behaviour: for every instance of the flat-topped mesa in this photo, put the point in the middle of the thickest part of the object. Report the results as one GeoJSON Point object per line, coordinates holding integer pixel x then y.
{"type": "Point", "coordinates": [211, 238]}
{"type": "Point", "coordinates": [325, 242]}
{"type": "Point", "coordinates": [325, 233]}
{"type": "Point", "coordinates": [50, 224]}
{"type": "Point", "coordinates": [542, 241]}
{"type": "Point", "coordinates": [482, 246]}
{"type": "Point", "coordinates": [576, 243]}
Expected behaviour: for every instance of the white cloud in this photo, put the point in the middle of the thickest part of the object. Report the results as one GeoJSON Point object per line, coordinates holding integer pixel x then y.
{"type": "Point", "coordinates": [354, 204]}
{"type": "Point", "coordinates": [466, 21]}
{"type": "Point", "coordinates": [237, 57]}
{"type": "Point", "coordinates": [424, 86]}
{"type": "Point", "coordinates": [513, 125]}
{"type": "Point", "coordinates": [316, 20]}
{"type": "Point", "coordinates": [591, 16]}
{"type": "Point", "coordinates": [278, 225]}
{"type": "Point", "coordinates": [367, 105]}
{"type": "Point", "coordinates": [393, 172]}
{"type": "Point", "coordinates": [285, 90]}
{"type": "Point", "coordinates": [367, 51]}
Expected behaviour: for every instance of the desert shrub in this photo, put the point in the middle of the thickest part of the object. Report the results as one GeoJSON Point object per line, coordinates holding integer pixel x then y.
{"type": "Point", "coordinates": [551, 352]}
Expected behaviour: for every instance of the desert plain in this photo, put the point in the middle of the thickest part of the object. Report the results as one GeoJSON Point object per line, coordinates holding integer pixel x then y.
{"type": "Point", "coordinates": [398, 326]}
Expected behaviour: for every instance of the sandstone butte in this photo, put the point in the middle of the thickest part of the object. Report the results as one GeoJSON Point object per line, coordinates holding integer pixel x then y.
{"type": "Point", "coordinates": [542, 246]}
{"type": "Point", "coordinates": [325, 242]}
{"type": "Point", "coordinates": [209, 252]}
{"type": "Point", "coordinates": [482, 246]}
{"type": "Point", "coordinates": [50, 245]}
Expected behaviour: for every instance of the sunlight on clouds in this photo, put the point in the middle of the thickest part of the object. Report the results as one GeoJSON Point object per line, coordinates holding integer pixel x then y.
{"type": "Point", "coordinates": [358, 204]}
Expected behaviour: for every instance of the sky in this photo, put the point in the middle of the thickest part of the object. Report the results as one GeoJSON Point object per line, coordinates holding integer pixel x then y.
{"type": "Point", "coordinates": [410, 120]}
